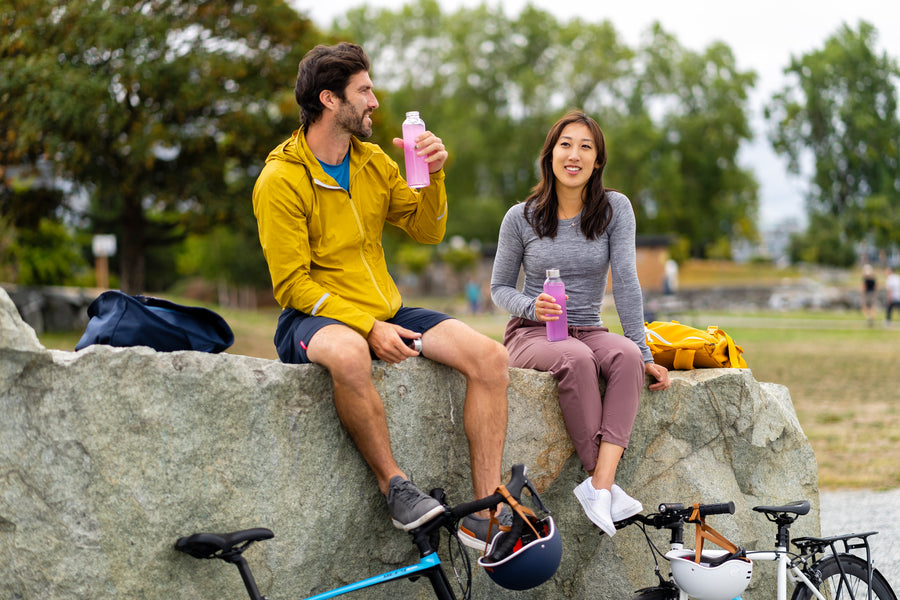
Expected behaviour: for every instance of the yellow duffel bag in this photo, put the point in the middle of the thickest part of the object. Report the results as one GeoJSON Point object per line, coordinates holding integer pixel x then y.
{"type": "Point", "coordinates": [677, 346]}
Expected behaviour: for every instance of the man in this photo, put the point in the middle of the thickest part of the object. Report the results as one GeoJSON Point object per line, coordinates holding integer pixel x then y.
{"type": "Point", "coordinates": [892, 286]}
{"type": "Point", "coordinates": [321, 203]}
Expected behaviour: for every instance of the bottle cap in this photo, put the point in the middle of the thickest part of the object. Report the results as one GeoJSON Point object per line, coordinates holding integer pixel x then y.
{"type": "Point", "coordinates": [412, 113]}
{"type": "Point", "coordinates": [552, 272]}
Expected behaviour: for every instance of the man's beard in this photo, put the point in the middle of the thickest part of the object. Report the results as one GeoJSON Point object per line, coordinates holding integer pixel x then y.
{"type": "Point", "coordinates": [352, 122]}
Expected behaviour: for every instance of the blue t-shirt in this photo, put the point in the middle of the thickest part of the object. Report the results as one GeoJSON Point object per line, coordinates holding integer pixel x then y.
{"type": "Point", "coordinates": [341, 172]}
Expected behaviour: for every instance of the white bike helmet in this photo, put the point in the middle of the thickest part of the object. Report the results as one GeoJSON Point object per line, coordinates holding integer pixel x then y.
{"type": "Point", "coordinates": [533, 560]}
{"type": "Point", "coordinates": [711, 578]}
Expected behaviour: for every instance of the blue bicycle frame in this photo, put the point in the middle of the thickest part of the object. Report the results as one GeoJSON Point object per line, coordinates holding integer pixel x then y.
{"type": "Point", "coordinates": [428, 565]}
{"type": "Point", "coordinates": [230, 546]}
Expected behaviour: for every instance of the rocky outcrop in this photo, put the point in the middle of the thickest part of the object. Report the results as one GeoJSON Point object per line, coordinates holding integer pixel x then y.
{"type": "Point", "coordinates": [108, 455]}
{"type": "Point", "coordinates": [52, 308]}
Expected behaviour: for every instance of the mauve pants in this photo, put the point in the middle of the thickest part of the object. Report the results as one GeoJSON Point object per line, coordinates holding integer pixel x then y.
{"type": "Point", "coordinates": [577, 363]}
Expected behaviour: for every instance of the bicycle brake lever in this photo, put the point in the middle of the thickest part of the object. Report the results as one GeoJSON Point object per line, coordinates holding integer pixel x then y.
{"type": "Point", "coordinates": [519, 481]}
{"type": "Point", "coordinates": [536, 496]}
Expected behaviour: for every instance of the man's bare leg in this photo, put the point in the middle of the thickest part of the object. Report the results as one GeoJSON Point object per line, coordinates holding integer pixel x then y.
{"type": "Point", "coordinates": [485, 365]}
{"type": "Point", "coordinates": [346, 356]}
{"type": "Point", "coordinates": [359, 407]}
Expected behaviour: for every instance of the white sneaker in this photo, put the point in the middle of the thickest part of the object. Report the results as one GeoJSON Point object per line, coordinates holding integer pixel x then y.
{"type": "Point", "coordinates": [596, 505]}
{"type": "Point", "coordinates": [623, 505]}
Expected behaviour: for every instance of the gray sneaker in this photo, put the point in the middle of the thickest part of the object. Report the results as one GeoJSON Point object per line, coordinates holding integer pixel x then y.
{"type": "Point", "coordinates": [473, 531]}
{"type": "Point", "coordinates": [408, 506]}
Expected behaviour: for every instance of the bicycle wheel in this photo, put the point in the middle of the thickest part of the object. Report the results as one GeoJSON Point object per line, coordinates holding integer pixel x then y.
{"type": "Point", "coordinates": [853, 587]}
{"type": "Point", "coordinates": [666, 591]}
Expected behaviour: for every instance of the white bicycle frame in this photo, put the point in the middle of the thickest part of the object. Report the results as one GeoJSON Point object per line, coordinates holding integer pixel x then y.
{"type": "Point", "coordinates": [784, 571]}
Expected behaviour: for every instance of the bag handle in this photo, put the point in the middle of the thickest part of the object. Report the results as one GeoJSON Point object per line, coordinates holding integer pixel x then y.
{"type": "Point", "coordinates": [735, 359]}
{"type": "Point", "coordinates": [735, 354]}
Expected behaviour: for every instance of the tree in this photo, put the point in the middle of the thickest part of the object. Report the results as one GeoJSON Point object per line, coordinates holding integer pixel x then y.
{"type": "Point", "coordinates": [840, 115]}
{"type": "Point", "coordinates": [824, 242]}
{"type": "Point", "coordinates": [47, 255]}
{"type": "Point", "coordinates": [686, 121]}
{"type": "Point", "coordinates": [491, 86]}
{"type": "Point", "coordinates": [161, 110]}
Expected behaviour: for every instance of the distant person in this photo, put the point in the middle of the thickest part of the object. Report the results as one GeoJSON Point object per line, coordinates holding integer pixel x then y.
{"type": "Point", "coordinates": [321, 203]}
{"type": "Point", "coordinates": [572, 223]}
{"type": "Point", "coordinates": [868, 294]}
{"type": "Point", "coordinates": [892, 287]}
{"type": "Point", "coordinates": [473, 296]}
{"type": "Point", "coordinates": [670, 279]}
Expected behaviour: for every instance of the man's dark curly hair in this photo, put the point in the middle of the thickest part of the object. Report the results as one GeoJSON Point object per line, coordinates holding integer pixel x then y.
{"type": "Point", "coordinates": [326, 68]}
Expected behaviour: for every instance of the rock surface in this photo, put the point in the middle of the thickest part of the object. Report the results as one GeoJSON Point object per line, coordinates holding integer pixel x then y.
{"type": "Point", "coordinates": [108, 455]}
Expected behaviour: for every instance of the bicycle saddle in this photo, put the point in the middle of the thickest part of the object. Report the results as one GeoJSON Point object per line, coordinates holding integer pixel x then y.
{"type": "Point", "coordinates": [798, 507]}
{"type": "Point", "coordinates": [214, 545]}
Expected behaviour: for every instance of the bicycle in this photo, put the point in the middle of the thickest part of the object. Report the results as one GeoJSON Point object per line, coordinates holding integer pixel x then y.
{"type": "Point", "coordinates": [531, 544]}
{"type": "Point", "coordinates": [823, 567]}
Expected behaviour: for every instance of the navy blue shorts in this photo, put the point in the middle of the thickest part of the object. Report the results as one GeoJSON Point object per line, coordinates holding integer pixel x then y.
{"type": "Point", "coordinates": [295, 329]}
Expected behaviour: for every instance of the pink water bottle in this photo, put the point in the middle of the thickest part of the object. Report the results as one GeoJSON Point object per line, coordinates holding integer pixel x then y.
{"type": "Point", "coordinates": [553, 285]}
{"type": "Point", "coordinates": [416, 168]}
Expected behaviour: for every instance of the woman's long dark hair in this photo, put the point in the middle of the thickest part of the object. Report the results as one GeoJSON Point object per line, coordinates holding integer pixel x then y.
{"type": "Point", "coordinates": [541, 206]}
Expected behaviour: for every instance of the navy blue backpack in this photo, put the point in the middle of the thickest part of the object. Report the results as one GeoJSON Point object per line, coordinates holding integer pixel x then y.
{"type": "Point", "coordinates": [117, 319]}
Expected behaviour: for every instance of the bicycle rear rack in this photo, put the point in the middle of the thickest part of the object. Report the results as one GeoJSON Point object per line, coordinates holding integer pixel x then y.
{"type": "Point", "coordinates": [817, 545]}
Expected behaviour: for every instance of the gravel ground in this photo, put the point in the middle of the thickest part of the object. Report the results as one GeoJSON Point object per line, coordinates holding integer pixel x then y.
{"type": "Point", "coordinates": [859, 511]}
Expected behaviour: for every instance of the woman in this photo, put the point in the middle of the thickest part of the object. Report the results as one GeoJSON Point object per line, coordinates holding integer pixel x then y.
{"type": "Point", "coordinates": [572, 223]}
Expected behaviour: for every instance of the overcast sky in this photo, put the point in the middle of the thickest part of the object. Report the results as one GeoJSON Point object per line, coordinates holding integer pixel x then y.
{"type": "Point", "coordinates": [763, 35]}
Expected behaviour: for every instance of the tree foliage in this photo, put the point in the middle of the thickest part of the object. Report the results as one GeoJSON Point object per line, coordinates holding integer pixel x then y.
{"type": "Point", "coordinates": [161, 110]}
{"type": "Point", "coordinates": [824, 242]}
{"type": "Point", "coordinates": [840, 115]}
{"type": "Point", "coordinates": [695, 106]}
{"type": "Point", "coordinates": [491, 86]}
{"type": "Point", "coordinates": [48, 255]}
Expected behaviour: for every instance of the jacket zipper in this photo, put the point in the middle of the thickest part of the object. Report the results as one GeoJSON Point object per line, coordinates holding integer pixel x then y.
{"type": "Point", "coordinates": [362, 233]}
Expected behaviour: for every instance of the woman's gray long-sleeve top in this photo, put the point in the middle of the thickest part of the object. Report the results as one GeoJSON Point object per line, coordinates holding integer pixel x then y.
{"type": "Point", "coordinates": [583, 266]}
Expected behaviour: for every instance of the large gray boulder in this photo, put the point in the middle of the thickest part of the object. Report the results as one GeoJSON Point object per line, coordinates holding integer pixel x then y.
{"type": "Point", "coordinates": [108, 455]}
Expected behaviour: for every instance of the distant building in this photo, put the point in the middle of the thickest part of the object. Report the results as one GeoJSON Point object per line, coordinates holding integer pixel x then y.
{"type": "Point", "coordinates": [652, 254]}
{"type": "Point", "coordinates": [774, 244]}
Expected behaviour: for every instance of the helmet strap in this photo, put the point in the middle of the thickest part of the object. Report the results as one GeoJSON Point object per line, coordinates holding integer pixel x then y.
{"type": "Point", "coordinates": [523, 511]}
{"type": "Point", "coordinates": [705, 532]}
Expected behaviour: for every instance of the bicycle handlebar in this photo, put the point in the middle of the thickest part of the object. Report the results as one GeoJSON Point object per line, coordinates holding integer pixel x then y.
{"type": "Point", "coordinates": [671, 515]}
{"type": "Point", "coordinates": [719, 508]}
{"type": "Point", "coordinates": [518, 481]}
{"type": "Point", "coordinates": [461, 510]}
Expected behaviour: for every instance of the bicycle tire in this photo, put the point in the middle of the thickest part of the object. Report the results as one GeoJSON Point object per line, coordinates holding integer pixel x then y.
{"type": "Point", "coordinates": [856, 571]}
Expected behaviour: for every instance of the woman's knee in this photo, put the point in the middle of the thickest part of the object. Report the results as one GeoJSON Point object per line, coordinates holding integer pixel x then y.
{"type": "Point", "coordinates": [625, 353]}
{"type": "Point", "coordinates": [575, 360]}
{"type": "Point", "coordinates": [634, 356]}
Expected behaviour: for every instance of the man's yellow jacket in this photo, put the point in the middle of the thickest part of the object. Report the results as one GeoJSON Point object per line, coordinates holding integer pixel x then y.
{"type": "Point", "coordinates": [323, 243]}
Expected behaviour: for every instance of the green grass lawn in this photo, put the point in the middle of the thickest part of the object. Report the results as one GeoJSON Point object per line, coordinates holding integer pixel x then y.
{"type": "Point", "coordinates": [843, 381]}
{"type": "Point", "coordinates": [841, 374]}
